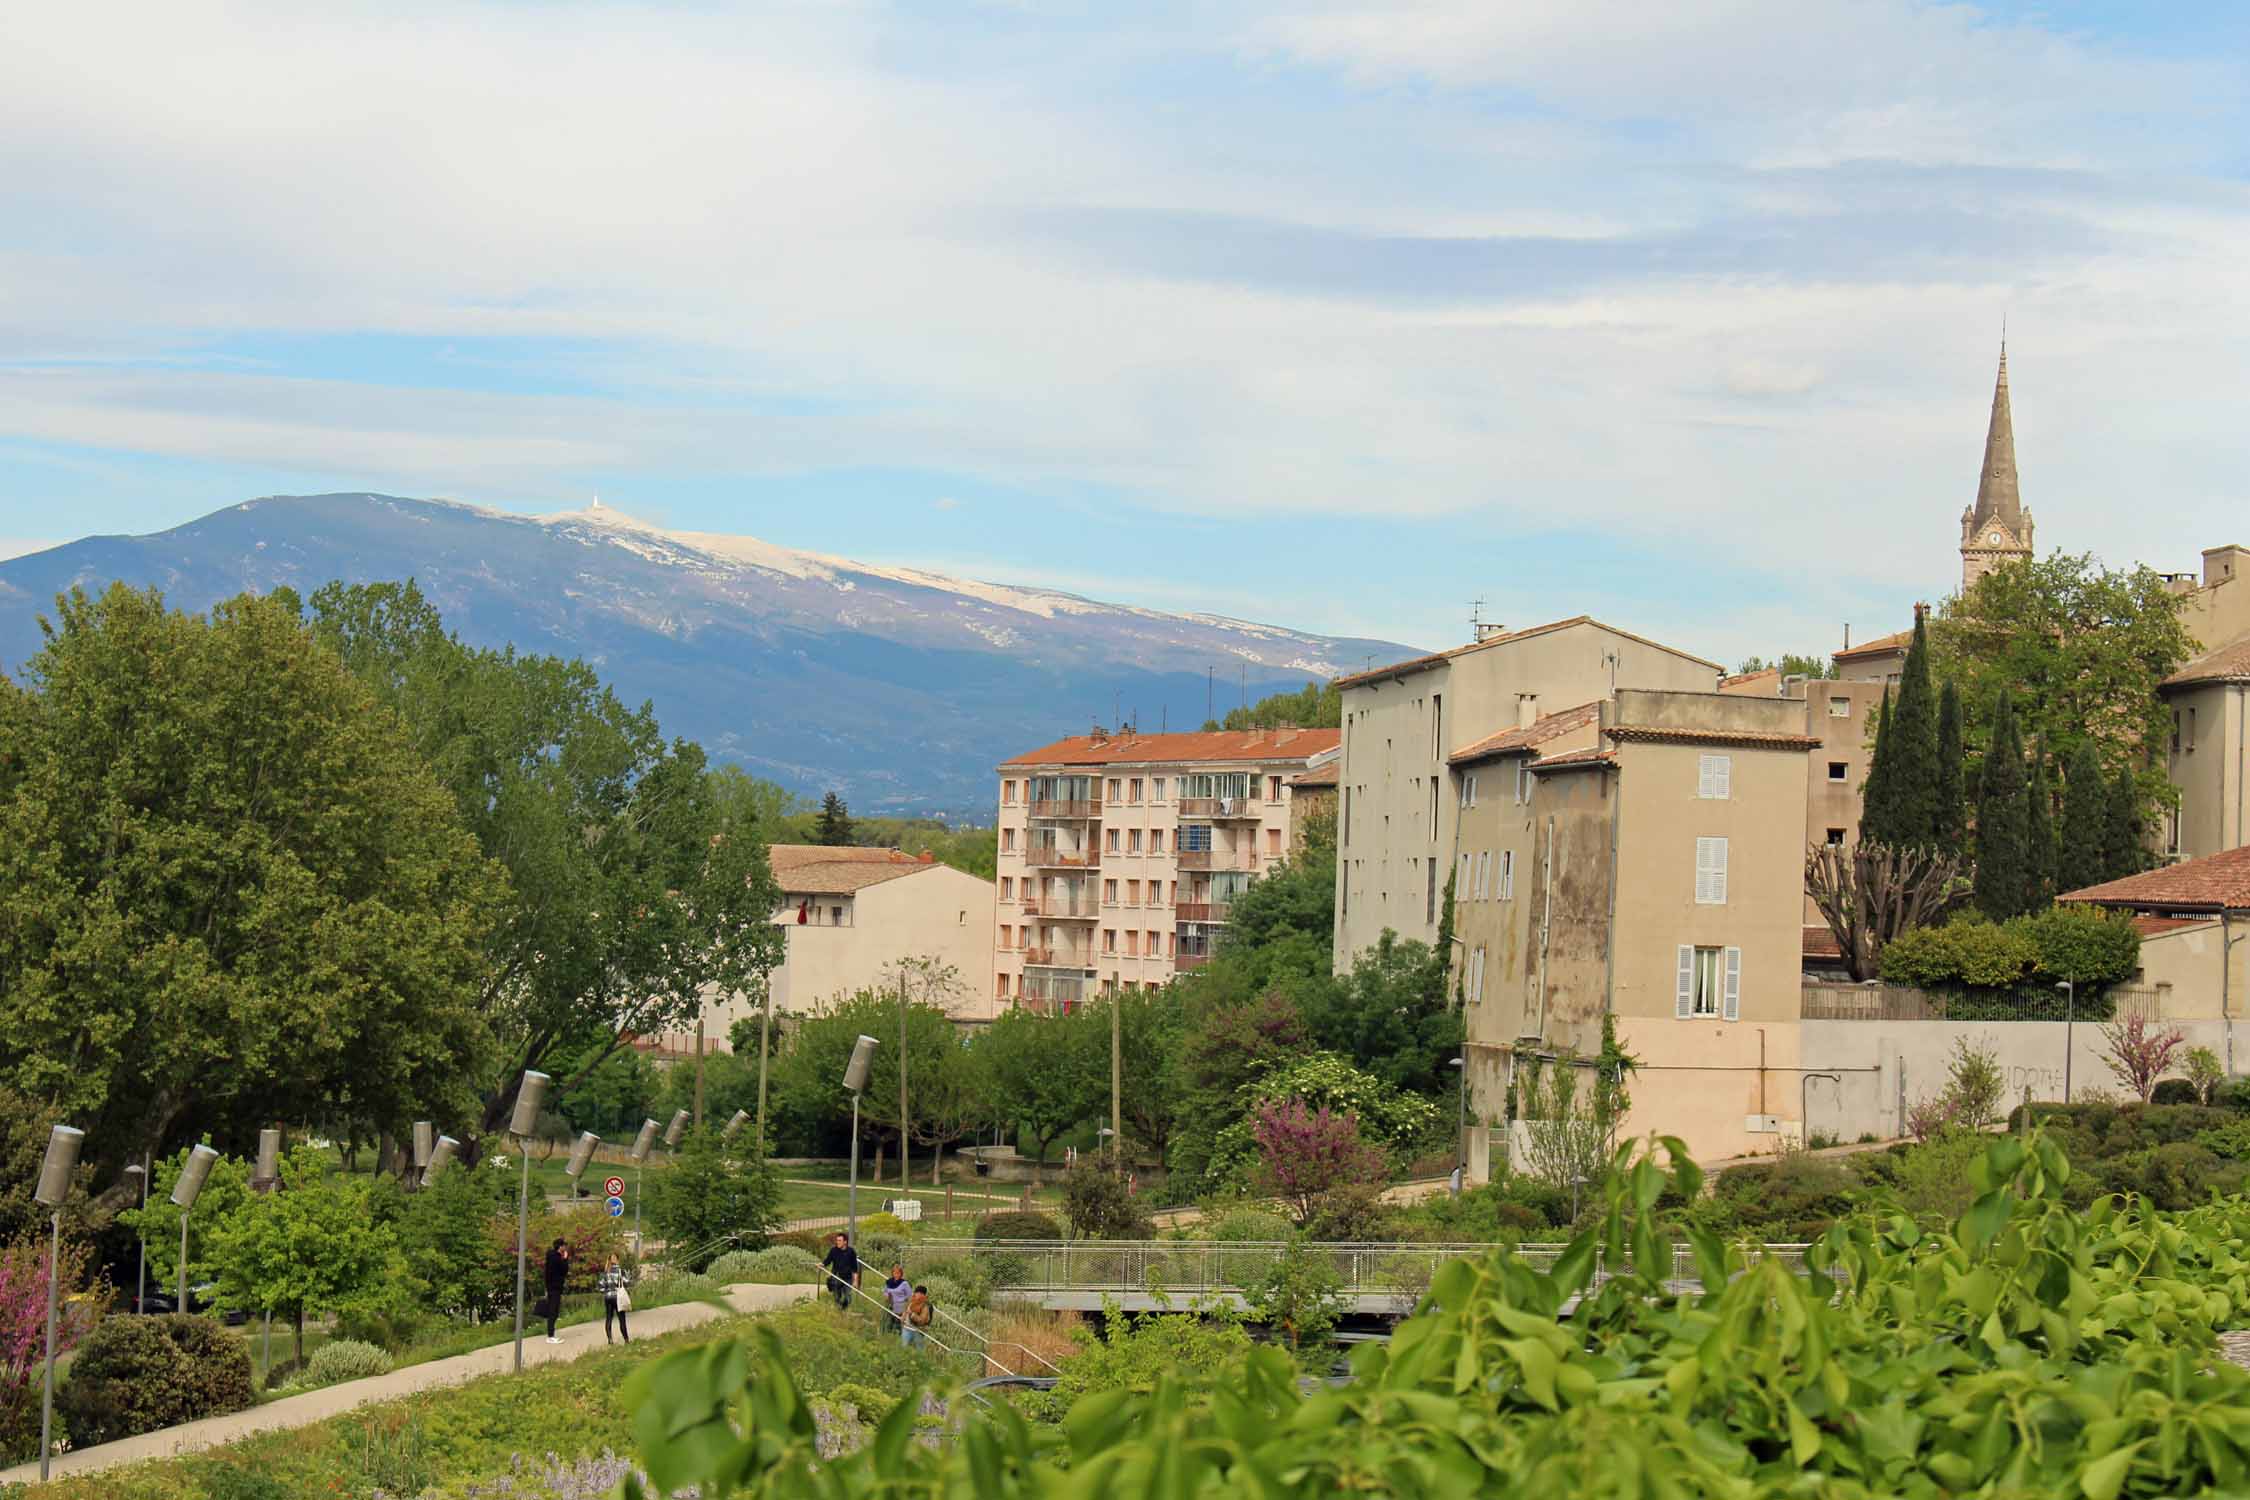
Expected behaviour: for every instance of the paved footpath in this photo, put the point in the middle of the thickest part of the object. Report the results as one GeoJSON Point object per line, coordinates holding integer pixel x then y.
{"type": "Point", "coordinates": [329, 1401]}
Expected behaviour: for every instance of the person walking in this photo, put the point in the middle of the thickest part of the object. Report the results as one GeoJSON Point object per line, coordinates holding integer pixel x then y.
{"type": "Point", "coordinates": [918, 1314]}
{"type": "Point", "coordinates": [617, 1300]}
{"type": "Point", "coordinates": [842, 1265]}
{"type": "Point", "coordinates": [556, 1272]}
{"type": "Point", "coordinates": [897, 1291]}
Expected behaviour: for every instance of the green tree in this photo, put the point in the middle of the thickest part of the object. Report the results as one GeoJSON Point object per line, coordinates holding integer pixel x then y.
{"type": "Point", "coordinates": [717, 1196]}
{"type": "Point", "coordinates": [2122, 854]}
{"type": "Point", "coordinates": [2080, 649]}
{"type": "Point", "coordinates": [2082, 859]}
{"type": "Point", "coordinates": [940, 1073]}
{"type": "Point", "coordinates": [311, 1246]}
{"type": "Point", "coordinates": [1388, 1015]}
{"type": "Point", "coordinates": [1952, 797]}
{"type": "Point", "coordinates": [637, 877]}
{"type": "Point", "coordinates": [1314, 706]}
{"type": "Point", "coordinates": [223, 1192]}
{"type": "Point", "coordinates": [444, 1233]}
{"type": "Point", "coordinates": [2038, 835]}
{"type": "Point", "coordinates": [1788, 664]}
{"type": "Point", "coordinates": [1048, 1074]}
{"type": "Point", "coordinates": [2003, 861]}
{"type": "Point", "coordinates": [230, 891]}
{"type": "Point", "coordinates": [1151, 1029]}
{"type": "Point", "coordinates": [1876, 815]}
{"type": "Point", "coordinates": [835, 826]}
{"type": "Point", "coordinates": [757, 803]}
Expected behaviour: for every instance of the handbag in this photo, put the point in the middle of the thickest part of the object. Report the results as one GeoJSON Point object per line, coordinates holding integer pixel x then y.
{"type": "Point", "coordinates": [624, 1299]}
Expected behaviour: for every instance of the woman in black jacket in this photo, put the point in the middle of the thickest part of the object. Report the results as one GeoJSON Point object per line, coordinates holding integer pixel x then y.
{"type": "Point", "coordinates": [557, 1272]}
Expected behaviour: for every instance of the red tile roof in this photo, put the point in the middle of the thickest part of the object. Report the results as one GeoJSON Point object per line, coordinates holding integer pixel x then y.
{"type": "Point", "coordinates": [1750, 683]}
{"type": "Point", "coordinates": [1820, 942]}
{"type": "Point", "coordinates": [1749, 739]}
{"type": "Point", "coordinates": [1887, 645]}
{"type": "Point", "coordinates": [828, 870]}
{"type": "Point", "coordinates": [1575, 760]}
{"type": "Point", "coordinates": [2216, 882]}
{"type": "Point", "coordinates": [2149, 927]}
{"type": "Point", "coordinates": [2229, 663]}
{"type": "Point", "coordinates": [1195, 747]}
{"type": "Point", "coordinates": [1529, 736]}
{"type": "Point", "coordinates": [1318, 776]}
{"type": "Point", "coordinates": [1423, 663]}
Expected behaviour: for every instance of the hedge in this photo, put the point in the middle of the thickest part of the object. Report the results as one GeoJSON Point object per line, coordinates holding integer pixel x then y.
{"type": "Point", "coordinates": [2081, 944]}
{"type": "Point", "coordinates": [136, 1374]}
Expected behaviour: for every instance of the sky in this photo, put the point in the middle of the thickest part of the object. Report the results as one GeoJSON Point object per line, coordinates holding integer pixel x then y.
{"type": "Point", "coordinates": [1338, 315]}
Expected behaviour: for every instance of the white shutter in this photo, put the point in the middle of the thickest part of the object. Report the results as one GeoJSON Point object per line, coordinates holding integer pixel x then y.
{"type": "Point", "coordinates": [1507, 874]}
{"type": "Point", "coordinates": [1461, 891]}
{"type": "Point", "coordinates": [1686, 1006]}
{"type": "Point", "coordinates": [1714, 776]}
{"type": "Point", "coordinates": [1711, 872]}
{"type": "Point", "coordinates": [1734, 984]}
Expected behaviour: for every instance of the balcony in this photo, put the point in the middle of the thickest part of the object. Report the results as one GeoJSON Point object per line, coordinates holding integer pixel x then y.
{"type": "Point", "coordinates": [1219, 807]}
{"type": "Point", "coordinates": [1061, 908]}
{"type": "Point", "coordinates": [1217, 859]}
{"type": "Point", "coordinates": [1186, 961]}
{"type": "Point", "coordinates": [1054, 858]}
{"type": "Point", "coordinates": [1057, 807]}
{"type": "Point", "coordinates": [1058, 958]}
{"type": "Point", "coordinates": [1046, 996]}
{"type": "Point", "coordinates": [1201, 911]}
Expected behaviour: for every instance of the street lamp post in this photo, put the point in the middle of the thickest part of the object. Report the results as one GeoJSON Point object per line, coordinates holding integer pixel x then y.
{"type": "Point", "coordinates": [855, 1079]}
{"type": "Point", "coordinates": [184, 1193]}
{"type": "Point", "coordinates": [63, 1145]}
{"type": "Point", "coordinates": [2070, 1027]}
{"type": "Point", "coordinates": [530, 1094]}
{"type": "Point", "coordinates": [268, 1178]}
{"type": "Point", "coordinates": [140, 1280]}
{"type": "Point", "coordinates": [441, 1157]}
{"type": "Point", "coordinates": [1460, 1124]}
{"type": "Point", "coordinates": [734, 1126]}
{"type": "Point", "coordinates": [580, 1155]}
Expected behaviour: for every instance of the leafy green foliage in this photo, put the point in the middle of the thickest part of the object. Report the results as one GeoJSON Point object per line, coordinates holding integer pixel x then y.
{"type": "Point", "coordinates": [949, 1088]}
{"type": "Point", "coordinates": [2038, 834]}
{"type": "Point", "coordinates": [1046, 1073]}
{"type": "Point", "coordinates": [230, 891]}
{"type": "Point", "coordinates": [1100, 1204]}
{"type": "Point", "coordinates": [713, 1191]}
{"type": "Point", "coordinates": [2080, 860]}
{"type": "Point", "coordinates": [224, 1191]}
{"type": "Point", "coordinates": [1388, 1016]}
{"type": "Point", "coordinates": [1316, 705]}
{"type": "Point", "coordinates": [1300, 1296]}
{"type": "Point", "coordinates": [1952, 807]}
{"type": "Point", "coordinates": [776, 1265]}
{"type": "Point", "coordinates": [2085, 945]}
{"type": "Point", "coordinates": [1901, 806]}
{"type": "Point", "coordinates": [1018, 1225]}
{"type": "Point", "coordinates": [835, 826]}
{"type": "Point", "coordinates": [2003, 858]}
{"type": "Point", "coordinates": [344, 1359]}
{"type": "Point", "coordinates": [137, 1374]}
{"type": "Point", "coordinates": [311, 1246]}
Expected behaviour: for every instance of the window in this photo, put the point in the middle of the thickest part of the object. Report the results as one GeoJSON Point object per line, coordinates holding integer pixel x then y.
{"type": "Point", "coordinates": [1433, 809]}
{"type": "Point", "coordinates": [1710, 872]}
{"type": "Point", "coordinates": [1714, 776]}
{"type": "Point", "coordinates": [1155, 944]}
{"type": "Point", "coordinates": [1468, 791]}
{"type": "Point", "coordinates": [2191, 731]}
{"type": "Point", "coordinates": [1132, 893]}
{"type": "Point", "coordinates": [2175, 731]}
{"type": "Point", "coordinates": [1484, 873]}
{"type": "Point", "coordinates": [1507, 874]}
{"type": "Point", "coordinates": [1437, 726]}
{"type": "Point", "coordinates": [1347, 818]}
{"type": "Point", "coordinates": [1523, 781]}
{"type": "Point", "coordinates": [1156, 841]}
{"type": "Point", "coordinates": [1160, 787]}
{"type": "Point", "coordinates": [1710, 983]}
{"type": "Point", "coordinates": [1113, 841]}
{"type": "Point", "coordinates": [1007, 887]}
{"type": "Point", "coordinates": [961, 920]}
{"type": "Point", "coordinates": [1175, 893]}
{"type": "Point", "coordinates": [1008, 839]}
{"type": "Point", "coordinates": [1113, 789]}
{"type": "Point", "coordinates": [1839, 770]}
{"type": "Point", "coordinates": [1462, 881]}
{"type": "Point", "coordinates": [1195, 836]}
{"type": "Point", "coordinates": [1007, 791]}
{"type": "Point", "coordinates": [1836, 837]}
{"type": "Point", "coordinates": [1839, 708]}
{"type": "Point", "coordinates": [1003, 985]}
{"type": "Point", "coordinates": [1109, 940]}
{"type": "Point", "coordinates": [835, 916]}
{"type": "Point", "coordinates": [1273, 788]}
{"type": "Point", "coordinates": [1005, 939]}
{"type": "Point", "coordinates": [1109, 893]}
{"type": "Point", "coordinates": [1133, 840]}
{"type": "Point", "coordinates": [1132, 943]}
{"type": "Point", "coordinates": [1429, 901]}
{"type": "Point", "coordinates": [1133, 790]}
{"type": "Point", "coordinates": [1474, 979]}
{"type": "Point", "coordinates": [1273, 845]}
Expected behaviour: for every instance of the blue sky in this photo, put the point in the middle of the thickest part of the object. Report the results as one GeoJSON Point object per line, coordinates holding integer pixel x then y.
{"type": "Point", "coordinates": [1333, 314]}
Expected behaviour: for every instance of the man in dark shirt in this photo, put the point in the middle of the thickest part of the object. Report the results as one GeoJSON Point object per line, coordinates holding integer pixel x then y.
{"type": "Point", "coordinates": [842, 1265]}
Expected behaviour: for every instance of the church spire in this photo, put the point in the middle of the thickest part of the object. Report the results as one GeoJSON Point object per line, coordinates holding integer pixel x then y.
{"type": "Point", "coordinates": [1997, 497]}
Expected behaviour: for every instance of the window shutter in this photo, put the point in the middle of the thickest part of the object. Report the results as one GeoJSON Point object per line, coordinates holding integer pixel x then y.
{"type": "Point", "coordinates": [1719, 873]}
{"type": "Point", "coordinates": [1714, 776]}
{"type": "Point", "coordinates": [1734, 984]}
{"type": "Point", "coordinates": [1711, 872]}
{"type": "Point", "coordinates": [1508, 875]}
{"type": "Point", "coordinates": [1686, 1006]}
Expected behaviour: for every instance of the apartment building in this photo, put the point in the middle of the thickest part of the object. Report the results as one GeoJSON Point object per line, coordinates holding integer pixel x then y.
{"type": "Point", "coordinates": [1640, 856]}
{"type": "Point", "coordinates": [1121, 853]}
{"type": "Point", "coordinates": [851, 913]}
{"type": "Point", "coordinates": [1396, 825]}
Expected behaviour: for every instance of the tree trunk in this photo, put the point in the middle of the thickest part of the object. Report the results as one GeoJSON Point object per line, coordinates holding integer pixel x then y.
{"type": "Point", "coordinates": [386, 1155]}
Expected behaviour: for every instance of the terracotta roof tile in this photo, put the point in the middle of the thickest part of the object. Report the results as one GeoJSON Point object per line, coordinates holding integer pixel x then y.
{"type": "Point", "coordinates": [2216, 882]}
{"type": "Point", "coordinates": [1747, 683]}
{"type": "Point", "coordinates": [2229, 663]}
{"type": "Point", "coordinates": [1820, 942]}
{"type": "Point", "coordinates": [1210, 745]}
{"type": "Point", "coordinates": [1751, 739]}
{"type": "Point", "coordinates": [827, 870]}
{"type": "Point", "coordinates": [1529, 736]}
{"type": "Point", "coordinates": [1319, 776]}
{"type": "Point", "coordinates": [1422, 663]}
{"type": "Point", "coordinates": [1575, 760]}
{"type": "Point", "coordinates": [2149, 927]}
{"type": "Point", "coordinates": [1884, 645]}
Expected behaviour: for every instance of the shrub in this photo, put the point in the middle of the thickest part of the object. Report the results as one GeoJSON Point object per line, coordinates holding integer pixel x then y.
{"type": "Point", "coordinates": [1350, 1211]}
{"type": "Point", "coordinates": [867, 1404]}
{"type": "Point", "coordinates": [949, 1295]}
{"type": "Point", "coordinates": [885, 1224]}
{"type": "Point", "coordinates": [1016, 1224]}
{"type": "Point", "coordinates": [2230, 1141]}
{"type": "Point", "coordinates": [1793, 1199]}
{"type": "Point", "coordinates": [1101, 1204]}
{"type": "Point", "coordinates": [1250, 1224]}
{"type": "Point", "coordinates": [136, 1375]}
{"type": "Point", "coordinates": [1934, 1179]}
{"type": "Point", "coordinates": [1924, 957]}
{"type": "Point", "coordinates": [392, 1328]}
{"type": "Point", "coordinates": [776, 1265]}
{"type": "Point", "coordinates": [2175, 1091]}
{"type": "Point", "coordinates": [2082, 944]}
{"type": "Point", "coordinates": [345, 1359]}
{"type": "Point", "coordinates": [2088, 947]}
{"type": "Point", "coordinates": [2234, 1094]}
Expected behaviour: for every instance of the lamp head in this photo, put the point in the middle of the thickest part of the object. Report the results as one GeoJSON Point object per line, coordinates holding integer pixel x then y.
{"type": "Point", "coordinates": [734, 1126]}
{"type": "Point", "coordinates": [643, 1141]}
{"type": "Point", "coordinates": [63, 1145]}
{"type": "Point", "coordinates": [581, 1154]}
{"type": "Point", "coordinates": [863, 1058]}
{"type": "Point", "coordinates": [193, 1176]}
{"type": "Point", "coordinates": [530, 1095]}
{"type": "Point", "coordinates": [675, 1130]}
{"type": "Point", "coordinates": [441, 1156]}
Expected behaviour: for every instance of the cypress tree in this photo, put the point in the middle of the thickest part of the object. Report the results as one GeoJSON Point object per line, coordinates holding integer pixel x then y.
{"type": "Point", "coordinates": [2001, 816]}
{"type": "Point", "coordinates": [1913, 788]}
{"type": "Point", "coordinates": [835, 825]}
{"type": "Point", "coordinates": [2038, 835]}
{"type": "Point", "coordinates": [2083, 859]}
{"type": "Point", "coordinates": [1952, 806]}
{"type": "Point", "coordinates": [2121, 831]}
{"type": "Point", "coordinates": [1876, 820]}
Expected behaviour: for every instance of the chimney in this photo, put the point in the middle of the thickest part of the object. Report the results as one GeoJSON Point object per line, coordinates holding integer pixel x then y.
{"type": "Point", "coordinates": [926, 858]}
{"type": "Point", "coordinates": [1921, 612]}
{"type": "Point", "coordinates": [1527, 710]}
{"type": "Point", "coordinates": [1099, 735]}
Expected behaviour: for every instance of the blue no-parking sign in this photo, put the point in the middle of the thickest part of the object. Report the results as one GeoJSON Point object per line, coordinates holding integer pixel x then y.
{"type": "Point", "coordinates": [616, 1207]}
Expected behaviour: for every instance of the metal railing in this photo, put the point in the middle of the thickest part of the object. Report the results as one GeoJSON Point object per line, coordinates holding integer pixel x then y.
{"type": "Point", "coordinates": [1216, 859]}
{"type": "Point", "coordinates": [983, 1355]}
{"type": "Point", "coordinates": [1060, 958]}
{"type": "Point", "coordinates": [1201, 911]}
{"type": "Point", "coordinates": [1892, 1002]}
{"type": "Point", "coordinates": [1065, 807]}
{"type": "Point", "coordinates": [1050, 857]}
{"type": "Point", "coordinates": [1218, 807]}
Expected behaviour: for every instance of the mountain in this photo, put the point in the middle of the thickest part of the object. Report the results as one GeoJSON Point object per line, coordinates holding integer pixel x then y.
{"type": "Point", "coordinates": [901, 688]}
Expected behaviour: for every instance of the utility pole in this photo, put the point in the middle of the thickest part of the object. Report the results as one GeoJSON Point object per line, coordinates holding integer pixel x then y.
{"type": "Point", "coordinates": [699, 1072]}
{"type": "Point", "coordinates": [905, 1150]}
{"type": "Point", "coordinates": [765, 1022]}
{"type": "Point", "coordinates": [1116, 1077]}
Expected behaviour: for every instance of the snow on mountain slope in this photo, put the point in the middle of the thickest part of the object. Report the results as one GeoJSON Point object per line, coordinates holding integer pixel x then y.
{"type": "Point", "coordinates": [900, 686]}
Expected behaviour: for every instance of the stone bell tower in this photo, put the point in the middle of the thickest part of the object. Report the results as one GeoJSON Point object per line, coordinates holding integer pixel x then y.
{"type": "Point", "coordinates": [1997, 529]}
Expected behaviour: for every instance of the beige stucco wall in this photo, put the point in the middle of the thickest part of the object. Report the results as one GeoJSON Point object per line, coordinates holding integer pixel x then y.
{"type": "Point", "coordinates": [2219, 611]}
{"type": "Point", "coordinates": [2209, 765]}
{"type": "Point", "coordinates": [1702, 1080]}
{"type": "Point", "coordinates": [1395, 826]}
{"type": "Point", "coordinates": [2185, 964]}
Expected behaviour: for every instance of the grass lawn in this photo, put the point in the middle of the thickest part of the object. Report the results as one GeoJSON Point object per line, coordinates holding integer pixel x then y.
{"type": "Point", "coordinates": [445, 1441]}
